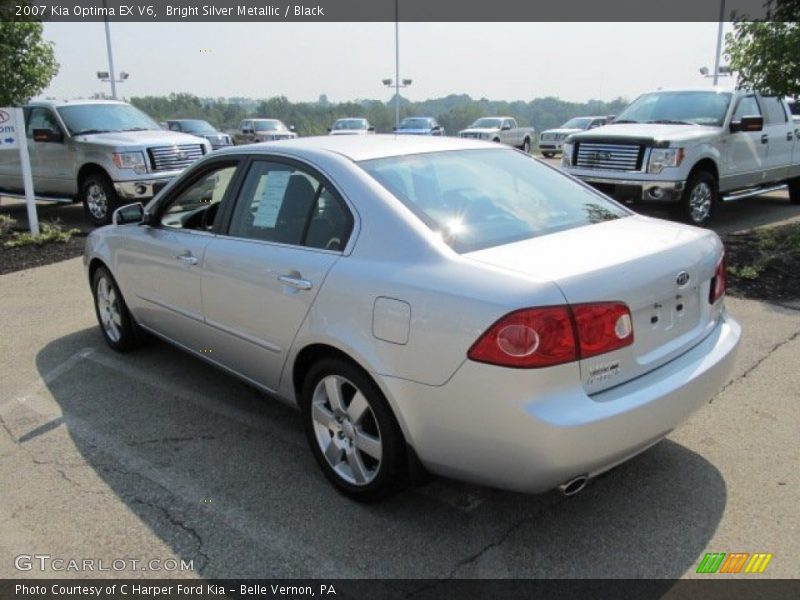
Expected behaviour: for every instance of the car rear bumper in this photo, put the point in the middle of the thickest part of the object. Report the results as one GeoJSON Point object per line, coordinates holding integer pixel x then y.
{"type": "Point", "coordinates": [532, 430]}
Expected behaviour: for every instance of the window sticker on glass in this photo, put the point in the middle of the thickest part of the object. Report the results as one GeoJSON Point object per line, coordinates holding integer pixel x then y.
{"type": "Point", "coordinates": [271, 190]}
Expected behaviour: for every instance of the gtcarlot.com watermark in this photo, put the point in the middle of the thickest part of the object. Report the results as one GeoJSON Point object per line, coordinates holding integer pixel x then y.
{"type": "Point", "coordinates": [46, 562]}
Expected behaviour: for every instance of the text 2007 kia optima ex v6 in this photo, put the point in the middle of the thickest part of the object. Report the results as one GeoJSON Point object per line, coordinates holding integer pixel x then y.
{"type": "Point", "coordinates": [441, 301]}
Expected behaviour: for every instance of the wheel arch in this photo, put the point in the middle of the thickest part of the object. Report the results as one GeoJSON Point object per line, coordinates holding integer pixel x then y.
{"type": "Point", "coordinates": [87, 169]}
{"type": "Point", "coordinates": [708, 165]}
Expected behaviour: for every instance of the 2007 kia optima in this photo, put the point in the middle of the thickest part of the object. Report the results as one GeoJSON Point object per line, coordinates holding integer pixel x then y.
{"type": "Point", "coordinates": [440, 301]}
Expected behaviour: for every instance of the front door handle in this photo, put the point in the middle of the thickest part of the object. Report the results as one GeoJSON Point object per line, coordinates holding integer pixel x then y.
{"type": "Point", "coordinates": [789, 137]}
{"type": "Point", "coordinates": [187, 258]}
{"type": "Point", "coordinates": [295, 282]}
{"type": "Point", "coordinates": [764, 139]}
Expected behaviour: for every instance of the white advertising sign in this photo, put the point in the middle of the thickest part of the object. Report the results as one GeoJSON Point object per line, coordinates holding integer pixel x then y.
{"type": "Point", "coordinates": [9, 131]}
{"type": "Point", "coordinates": [12, 136]}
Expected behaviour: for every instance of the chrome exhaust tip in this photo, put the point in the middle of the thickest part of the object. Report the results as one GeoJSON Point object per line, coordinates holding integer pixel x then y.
{"type": "Point", "coordinates": [573, 486]}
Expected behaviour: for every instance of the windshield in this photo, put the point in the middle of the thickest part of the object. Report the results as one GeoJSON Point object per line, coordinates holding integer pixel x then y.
{"type": "Point", "coordinates": [577, 123]}
{"type": "Point", "coordinates": [350, 124]}
{"type": "Point", "coordinates": [700, 108]}
{"type": "Point", "coordinates": [415, 123]}
{"type": "Point", "coordinates": [487, 123]}
{"type": "Point", "coordinates": [482, 198]}
{"type": "Point", "coordinates": [269, 126]}
{"type": "Point", "coordinates": [196, 126]}
{"type": "Point", "coordinates": [102, 118]}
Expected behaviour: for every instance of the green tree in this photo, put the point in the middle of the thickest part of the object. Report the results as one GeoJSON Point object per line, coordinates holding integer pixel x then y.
{"type": "Point", "coordinates": [27, 62]}
{"type": "Point", "coordinates": [764, 54]}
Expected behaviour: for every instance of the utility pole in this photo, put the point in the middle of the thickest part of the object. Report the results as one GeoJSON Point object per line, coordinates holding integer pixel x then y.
{"type": "Point", "coordinates": [719, 41]}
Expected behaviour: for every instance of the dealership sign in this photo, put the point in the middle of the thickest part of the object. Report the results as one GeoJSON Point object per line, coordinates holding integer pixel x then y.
{"type": "Point", "coordinates": [8, 128]}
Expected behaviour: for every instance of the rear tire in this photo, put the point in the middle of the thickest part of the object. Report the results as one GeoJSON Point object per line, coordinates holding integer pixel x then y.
{"type": "Point", "coordinates": [351, 430]}
{"type": "Point", "coordinates": [526, 146]}
{"type": "Point", "coordinates": [548, 154]}
{"type": "Point", "coordinates": [116, 322]}
{"type": "Point", "coordinates": [794, 190]}
{"type": "Point", "coordinates": [699, 199]}
{"type": "Point", "coordinates": [99, 198]}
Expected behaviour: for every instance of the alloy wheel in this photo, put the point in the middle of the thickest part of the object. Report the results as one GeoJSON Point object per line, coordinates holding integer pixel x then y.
{"type": "Point", "coordinates": [109, 310]}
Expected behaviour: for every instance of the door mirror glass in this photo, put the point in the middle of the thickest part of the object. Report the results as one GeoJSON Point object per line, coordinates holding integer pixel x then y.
{"type": "Point", "coordinates": [749, 123]}
{"type": "Point", "coordinates": [130, 213]}
{"type": "Point", "coordinates": [47, 135]}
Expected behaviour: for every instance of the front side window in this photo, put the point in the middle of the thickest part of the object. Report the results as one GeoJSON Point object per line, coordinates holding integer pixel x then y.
{"type": "Point", "coordinates": [481, 198]}
{"type": "Point", "coordinates": [42, 118]}
{"type": "Point", "coordinates": [284, 204]}
{"type": "Point", "coordinates": [196, 206]}
{"type": "Point", "coordinates": [747, 107]}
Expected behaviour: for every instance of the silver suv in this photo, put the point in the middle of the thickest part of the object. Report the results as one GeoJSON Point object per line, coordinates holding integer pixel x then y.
{"type": "Point", "coordinates": [99, 152]}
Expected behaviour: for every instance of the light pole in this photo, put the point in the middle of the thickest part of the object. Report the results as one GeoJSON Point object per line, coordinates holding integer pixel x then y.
{"type": "Point", "coordinates": [396, 84]}
{"type": "Point", "coordinates": [719, 41]}
{"type": "Point", "coordinates": [109, 76]}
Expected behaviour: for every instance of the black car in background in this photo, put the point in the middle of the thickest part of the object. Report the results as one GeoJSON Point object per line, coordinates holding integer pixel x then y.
{"type": "Point", "coordinates": [201, 128]}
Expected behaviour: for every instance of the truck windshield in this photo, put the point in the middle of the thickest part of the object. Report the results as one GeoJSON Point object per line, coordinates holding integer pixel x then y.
{"type": "Point", "coordinates": [196, 126]}
{"type": "Point", "coordinates": [577, 123]}
{"type": "Point", "coordinates": [350, 124]}
{"type": "Point", "coordinates": [481, 198]}
{"type": "Point", "coordinates": [269, 126]}
{"type": "Point", "coordinates": [699, 108]}
{"type": "Point", "coordinates": [487, 123]}
{"type": "Point", "coordinates": [415, 123]}
{"type": "Point", "coordinates": [102, 118]}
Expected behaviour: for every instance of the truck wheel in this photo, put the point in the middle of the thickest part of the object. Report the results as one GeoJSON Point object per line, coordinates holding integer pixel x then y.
{"type": "Point", "coordinates": [526, 146]}
{"type": "Point", "coordinates": [794, 190]}
{"type": "Point", "coordinates": [548, 154]}
{"type": "Point", "coordinates": [99, 198]}
{"type": "Point", "coordinates": [496, 140]}
{"type": "Point", "coordinates": [699, 199]}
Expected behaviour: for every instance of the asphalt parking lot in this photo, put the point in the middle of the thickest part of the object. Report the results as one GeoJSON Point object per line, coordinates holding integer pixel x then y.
{"type": "Point", "coordinates": [155, 455]}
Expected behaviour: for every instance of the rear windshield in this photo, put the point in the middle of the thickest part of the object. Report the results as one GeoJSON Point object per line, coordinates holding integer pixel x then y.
{"type": "Point", "coordinates": [482, 198]}
{"type": "Point", "coordinates": [415, 123]}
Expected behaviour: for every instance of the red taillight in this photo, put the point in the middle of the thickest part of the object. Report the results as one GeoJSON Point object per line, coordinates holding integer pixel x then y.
{"type": "Point", "coordinates": [718, 282]}
{"type": "Point", "coordinates": [543, 337]}
{"type": "Point", "coordinates": [528, 338]}
{"type": "Point", "coordinates": [603, 327]}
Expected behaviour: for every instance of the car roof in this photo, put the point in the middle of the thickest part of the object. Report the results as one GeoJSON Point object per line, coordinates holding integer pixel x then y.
{"type": "Point", "coordinates": [358, 148]}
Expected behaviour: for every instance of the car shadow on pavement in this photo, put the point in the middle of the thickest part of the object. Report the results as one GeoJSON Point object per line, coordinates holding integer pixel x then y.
{"type": "Point", "coordinates": [222, 475]}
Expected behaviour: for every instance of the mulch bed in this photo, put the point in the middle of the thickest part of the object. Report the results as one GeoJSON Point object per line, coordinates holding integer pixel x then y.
{"type": "Point", "coordinates": [764, 264]}
{"type": "Point", "coordinates": [25, 257]}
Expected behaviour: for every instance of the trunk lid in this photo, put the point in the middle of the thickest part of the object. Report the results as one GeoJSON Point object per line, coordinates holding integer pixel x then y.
{"type": "Point", "coordinates": [640, 261]}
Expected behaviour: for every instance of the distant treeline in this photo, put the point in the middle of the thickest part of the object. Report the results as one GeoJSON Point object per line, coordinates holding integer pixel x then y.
{"type": "Point", "coordinates": [454, 112]}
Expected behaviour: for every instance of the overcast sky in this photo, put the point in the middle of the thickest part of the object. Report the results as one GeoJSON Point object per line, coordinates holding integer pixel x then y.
{"type": "Point", "coordinates": [347, 61]}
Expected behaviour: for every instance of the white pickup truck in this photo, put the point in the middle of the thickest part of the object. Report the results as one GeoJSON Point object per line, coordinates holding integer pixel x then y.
{"type": "Point", "coordinates": [691, 149]}
{"type": "Point", "coordinates": [500, 129]}
{"type": "Point", "coordinates": [100, 152]}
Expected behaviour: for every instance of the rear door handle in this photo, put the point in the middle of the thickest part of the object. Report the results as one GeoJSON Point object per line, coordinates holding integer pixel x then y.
{"type": "Point", "coordinates": [765, 139]}
{"type": "Point", "coordinates": [187, 258]}
{"type": "Point", "coordinates": [295, 282]}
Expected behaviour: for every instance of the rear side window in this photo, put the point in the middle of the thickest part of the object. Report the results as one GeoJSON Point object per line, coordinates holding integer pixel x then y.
{"type": "Point", "coordinates": [773, 109]}
{"type": "Point", "coordinates": [284, 204]}
{"type": "Point", "coordinates": [481, 198]}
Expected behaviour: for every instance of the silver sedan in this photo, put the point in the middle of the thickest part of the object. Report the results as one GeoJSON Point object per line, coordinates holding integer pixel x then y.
{"type": "Point", "coordinates": [440, 303]}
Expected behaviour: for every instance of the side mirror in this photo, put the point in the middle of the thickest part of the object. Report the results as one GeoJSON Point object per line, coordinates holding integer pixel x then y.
{"type": "Point", "coordinates": [436, 128]}
{"type": "Point", "coordinates": [291, 127]}
{"type": "Point", "coordinates": [130, 213]}
{"type": "Point", "coordinates": [329, 129]}
{"type": "Point", "coordinates": [751, 123]}
{"type": "Point", "coordinates": [247, 130]}
{"type": "Point", "coordinates": [47, 135]}
{"type": "Point", "coordinates": [371, 129]}
{"type": "Point", "coordinates": [395, 128]}
{"type": "Point", "coordinates": [505, 128]}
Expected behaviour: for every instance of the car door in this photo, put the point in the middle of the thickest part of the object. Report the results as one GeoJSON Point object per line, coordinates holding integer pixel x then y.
{"type": "Point", "coordinates": [779, 135]}
{"type": "Point", "coordinates": [746, 154]}
{"type": "Point", "coordinates": [52, 166]}
{"type": "Point", "coordinates": [286, 231]}
{"type": "Point", "coordinates": [162, 263]}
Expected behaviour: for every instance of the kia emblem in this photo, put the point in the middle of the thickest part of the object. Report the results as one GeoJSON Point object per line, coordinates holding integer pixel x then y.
{"type": "Point", "coordinates": [682, 279]}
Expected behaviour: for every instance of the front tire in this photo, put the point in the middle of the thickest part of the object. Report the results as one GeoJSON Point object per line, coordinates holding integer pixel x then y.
{"type": "Point", "coordinates": [548, 154]}
{"type": "Point", "coordinates": [99, 198]}
{"type": "Point", "coordinates": [698, 200]}
{"type": "Point", "coordinates": [526, 146]}
{"type": "Point", "coordinates": [118, 326]}
{"type": "Point", "coordinates": [794, 190]}
{"type": "Point", "coordinates": [351, 430]}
